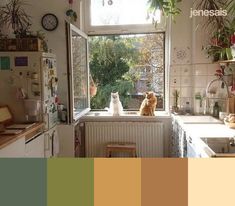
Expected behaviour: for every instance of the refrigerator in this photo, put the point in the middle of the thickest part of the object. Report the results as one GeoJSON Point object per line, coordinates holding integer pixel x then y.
{"type": "Point", "coordinates": [29, 87]}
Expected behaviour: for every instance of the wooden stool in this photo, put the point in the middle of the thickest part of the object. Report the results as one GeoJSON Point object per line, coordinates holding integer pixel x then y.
{"type": "Point", "coordinates": [121, 147]}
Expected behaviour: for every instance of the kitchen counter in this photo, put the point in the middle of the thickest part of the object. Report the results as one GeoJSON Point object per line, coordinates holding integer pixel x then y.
{"type": "Point", "coordinates": [5, 140]}
{"type": "Point", "coordinates": [208, 130]}
{"type": "Point", "coordinates": [195, 129]}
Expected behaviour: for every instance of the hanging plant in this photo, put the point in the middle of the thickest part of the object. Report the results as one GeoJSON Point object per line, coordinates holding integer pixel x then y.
{"type": "Point", "coordinates": [13, 15]}
{"type": "Point", "coordinates": [71, 13]}
{"type": "Point", "coordinates": [169, 8]}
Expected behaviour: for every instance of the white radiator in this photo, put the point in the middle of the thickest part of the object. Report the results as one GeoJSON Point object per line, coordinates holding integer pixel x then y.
{"type": "Point", "coordinates": [148, 137]}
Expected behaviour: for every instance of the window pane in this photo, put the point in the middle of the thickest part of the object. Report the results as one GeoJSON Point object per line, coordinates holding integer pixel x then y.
{"type": "Point", "coordinates": [80, 90]}
{"type": "Point", "coordinates": [129, 64]}
{"type": "Point", "coordinates": [119, 12]}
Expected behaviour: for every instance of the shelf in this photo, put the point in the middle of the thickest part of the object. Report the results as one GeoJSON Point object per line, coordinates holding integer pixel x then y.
{"type": "Point", "coordinates": [226, 61]}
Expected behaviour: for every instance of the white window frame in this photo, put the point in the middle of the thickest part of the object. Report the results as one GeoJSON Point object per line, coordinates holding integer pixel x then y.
{"type": "Point", "coordinates": [164, 26]}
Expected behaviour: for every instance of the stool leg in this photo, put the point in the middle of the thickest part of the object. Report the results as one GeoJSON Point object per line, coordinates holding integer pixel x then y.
{"type": "Point", "coordinates": [108, 153]}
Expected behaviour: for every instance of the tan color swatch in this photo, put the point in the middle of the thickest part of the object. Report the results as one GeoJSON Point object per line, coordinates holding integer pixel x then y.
{"type": "Point", "coordinates": [117, 182]}
{"type": "Point", "coordinates": [164, 182]}
{"type": "Point", "coordinates": [211, 182]}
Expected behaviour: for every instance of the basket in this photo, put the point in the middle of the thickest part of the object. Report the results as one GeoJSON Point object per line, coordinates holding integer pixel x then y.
{"type": "Point", "coordinates": [230, 125]}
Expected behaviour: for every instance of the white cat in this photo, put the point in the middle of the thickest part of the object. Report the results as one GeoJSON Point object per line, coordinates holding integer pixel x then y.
{"type": "Point", "coordinates": [115, 106]}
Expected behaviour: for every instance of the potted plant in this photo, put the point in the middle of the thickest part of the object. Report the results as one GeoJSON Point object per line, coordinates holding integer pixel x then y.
{"type": "Point", "coordinates": [13, 15]}
{"type": "Point", "coordinates": [219, 27]}
{"type": "Point", "coordinates": [168, 8]}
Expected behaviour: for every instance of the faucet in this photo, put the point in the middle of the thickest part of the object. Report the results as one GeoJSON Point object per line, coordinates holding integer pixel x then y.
{"type": "Point", "coordinates": [206, 106]}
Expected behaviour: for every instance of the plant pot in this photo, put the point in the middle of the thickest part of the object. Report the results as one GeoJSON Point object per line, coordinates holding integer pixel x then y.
{"type": "Point", "coordinates": [233, 51]}
{"type": "Point", "coordinates": [93, 91]}
{"type": "Point", "coordinates": [228, 53]}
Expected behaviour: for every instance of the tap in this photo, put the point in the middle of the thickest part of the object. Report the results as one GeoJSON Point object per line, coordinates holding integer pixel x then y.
{"type": "Point", "coordinates": [232, 142]}
{"type": "Point", "coordinates": [206, 105]}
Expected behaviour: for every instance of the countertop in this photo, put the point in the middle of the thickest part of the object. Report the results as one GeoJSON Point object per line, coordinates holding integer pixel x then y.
{"type": "Point", "coordinates": [27, 134]}
{"type": "Point", "coordinates": [206, 130]}
{"type": "Point", "coordinates": [209, 130]}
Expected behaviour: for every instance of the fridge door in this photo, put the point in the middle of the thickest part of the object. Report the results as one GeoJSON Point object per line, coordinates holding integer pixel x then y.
{"type": "Point", "coordinates": [78, 73]}
{"type": "Point", "coordinates": [51, 143]}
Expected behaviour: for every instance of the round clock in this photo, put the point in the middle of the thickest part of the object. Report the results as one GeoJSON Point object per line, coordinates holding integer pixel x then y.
{"type": "Point", "coordinates": [49, 22]}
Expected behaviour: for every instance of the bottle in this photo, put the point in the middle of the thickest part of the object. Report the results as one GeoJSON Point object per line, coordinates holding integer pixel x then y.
{"type": "Point", "coordinates": [187, 108]}
{"type": "Point", "coordinates": [198, 103]}
{"type": "Point", "coordinates": [216, 110]}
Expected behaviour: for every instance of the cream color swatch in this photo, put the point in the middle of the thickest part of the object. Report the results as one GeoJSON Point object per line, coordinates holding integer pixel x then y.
{"type": "Point", "coordinates": [211, 182]}
{"type": "Point", "coordinates": [117, 182]}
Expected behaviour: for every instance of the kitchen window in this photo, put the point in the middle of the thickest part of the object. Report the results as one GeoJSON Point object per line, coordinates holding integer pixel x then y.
{"type": "Point", "coordinates": [129, 64]}
{"type": "Point", "coordinates": [118, 26]}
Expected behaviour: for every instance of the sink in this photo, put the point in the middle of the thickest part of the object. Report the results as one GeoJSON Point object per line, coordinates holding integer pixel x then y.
{"type": "Point", "coordinates": [221, 147]}
{"type": "Point", "coordinates": [199, 120]}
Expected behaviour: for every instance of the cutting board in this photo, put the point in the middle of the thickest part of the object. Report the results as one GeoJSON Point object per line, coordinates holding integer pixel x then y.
{"type": "Point", "coordinates": [231, 104]}
{"type": "Point", "coordinates": [6, 116]}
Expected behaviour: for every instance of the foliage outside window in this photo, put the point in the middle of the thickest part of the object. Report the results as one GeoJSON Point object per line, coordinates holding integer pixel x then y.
{"type": "Point", "coordinates": [129, 64]}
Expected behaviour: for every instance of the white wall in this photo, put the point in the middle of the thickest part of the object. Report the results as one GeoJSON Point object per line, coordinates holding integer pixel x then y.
{"type": "Point", "coordinates": [56, 39]}
{"type": "Point", "coordinates": [191, 72]}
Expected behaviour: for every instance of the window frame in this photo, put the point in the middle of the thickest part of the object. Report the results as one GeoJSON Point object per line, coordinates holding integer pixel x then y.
{"type": "Point", "coordinates": [164, 26]}
{"type": "Point", "coordinates": [118, 29]}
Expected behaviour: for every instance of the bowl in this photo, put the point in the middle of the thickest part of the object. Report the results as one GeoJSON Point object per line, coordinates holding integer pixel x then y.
{"type": "Point", "coordinates": [230, 124]}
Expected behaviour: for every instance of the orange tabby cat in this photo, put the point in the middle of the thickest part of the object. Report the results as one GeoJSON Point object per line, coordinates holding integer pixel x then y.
{"type": "Point", "coordinates": [148, 105]}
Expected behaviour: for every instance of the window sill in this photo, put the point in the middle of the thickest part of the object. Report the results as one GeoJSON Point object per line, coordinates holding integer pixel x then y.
{"type": "Point", "coordinates": [126, 116]}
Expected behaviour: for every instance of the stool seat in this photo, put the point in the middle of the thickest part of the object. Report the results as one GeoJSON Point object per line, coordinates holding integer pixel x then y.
{"type": "Point", "coordinates": [121, 147]}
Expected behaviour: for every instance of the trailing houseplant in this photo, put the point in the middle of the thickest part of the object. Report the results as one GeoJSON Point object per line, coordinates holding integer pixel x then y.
{"type": "Point", "coordinates": [169, 8]}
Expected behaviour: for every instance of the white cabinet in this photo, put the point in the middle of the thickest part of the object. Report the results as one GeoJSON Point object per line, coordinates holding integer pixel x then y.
{"type": "Point", "coordinates": [66, 138]}
{"type": "Point", "coordinates": [15, 149]}
{"type": "Point", "coordinates": [71, 140]}
{"type": "Point", "coordinates": [35, 147]}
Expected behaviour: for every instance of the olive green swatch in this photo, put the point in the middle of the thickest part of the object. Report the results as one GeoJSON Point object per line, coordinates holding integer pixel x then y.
{"type": "Point", "coordinates": [23, 182]}
{"type": "Point", "coordinates": [70, 182]}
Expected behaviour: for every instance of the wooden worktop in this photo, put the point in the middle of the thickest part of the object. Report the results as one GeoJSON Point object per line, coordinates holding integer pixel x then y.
{"type": "Point", "coordinates": [26, 133]}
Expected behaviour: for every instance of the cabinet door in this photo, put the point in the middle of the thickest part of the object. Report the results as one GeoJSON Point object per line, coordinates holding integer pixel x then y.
{"type": "Point", "coordinates": [35, 147]}
{"type": "Point", "coordinates": [66, 136]}
{"type": "Point", "coordinates": [16, 149]}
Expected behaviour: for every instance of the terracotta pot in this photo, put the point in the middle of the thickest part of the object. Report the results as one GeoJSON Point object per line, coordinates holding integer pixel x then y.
{"type": "Point", "coordinates": [93, 90]}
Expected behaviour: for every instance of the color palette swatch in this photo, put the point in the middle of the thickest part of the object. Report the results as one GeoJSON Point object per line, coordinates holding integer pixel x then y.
{"type": "Point", "coordinates": [117, 182]}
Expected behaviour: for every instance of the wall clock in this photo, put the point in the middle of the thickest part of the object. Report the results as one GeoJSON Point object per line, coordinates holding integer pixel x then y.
{"type": "Point", "coordinates": [49, 22]}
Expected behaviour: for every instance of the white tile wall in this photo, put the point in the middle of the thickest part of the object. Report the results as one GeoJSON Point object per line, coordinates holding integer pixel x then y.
{"type": "Point", "coordinates": [175, 81]}
{"type": "Point", "coordinates": [211, 68]}
{"type": "Point", "coordinates": [200, 69]}
{"type": "Point", "coordinates": [200, 81]}
{"type": "Point", "coordinates": [186, 70]}
{"type": "Point", "coordinates": [186, 92]}
{"type": "Point", "coordinates": [190, 79]}
{"type": "Point", "coordinates": [186, 81]}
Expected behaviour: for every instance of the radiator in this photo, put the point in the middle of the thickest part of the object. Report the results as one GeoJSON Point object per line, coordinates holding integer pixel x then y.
{"type": "Point", "coordinates": [148, 137]}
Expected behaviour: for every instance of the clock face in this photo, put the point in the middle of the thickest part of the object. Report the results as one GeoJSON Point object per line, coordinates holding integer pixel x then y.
{"type": "Point", "coordinates": [49, 22]}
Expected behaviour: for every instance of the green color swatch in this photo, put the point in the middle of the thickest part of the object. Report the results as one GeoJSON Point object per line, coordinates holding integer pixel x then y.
{"type": "Point", "coordinates": [5, 63]}
{"type": "Point", "coordinates": [23, 182]}
{"type": "Point", "coordinates": [70, 182]}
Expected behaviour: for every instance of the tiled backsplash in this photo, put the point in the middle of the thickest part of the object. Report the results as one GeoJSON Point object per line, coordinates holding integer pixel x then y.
{"type": "Point", "coordinates": [189, 80]}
